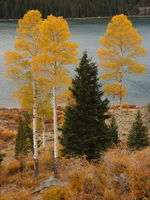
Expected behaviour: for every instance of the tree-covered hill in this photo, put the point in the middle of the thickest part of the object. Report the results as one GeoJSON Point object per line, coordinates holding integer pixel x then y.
{"type": "Point", "coordinates": [70, 8]}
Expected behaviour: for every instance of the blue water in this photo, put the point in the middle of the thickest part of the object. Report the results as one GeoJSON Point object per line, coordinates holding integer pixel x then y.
{"type": "Point", "coordinates": [86, 33]}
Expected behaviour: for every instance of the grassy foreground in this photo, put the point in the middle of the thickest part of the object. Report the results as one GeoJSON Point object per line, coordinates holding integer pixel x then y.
{"type": "Point", "coordinates": [118, 175]}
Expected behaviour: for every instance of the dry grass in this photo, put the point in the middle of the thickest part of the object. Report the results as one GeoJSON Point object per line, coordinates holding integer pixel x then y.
{"type": "Point", "coordinates": [21, 195]}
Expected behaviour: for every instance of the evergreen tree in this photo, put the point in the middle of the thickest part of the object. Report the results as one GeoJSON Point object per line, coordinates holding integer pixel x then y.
{"type": "Point", "coordinates": [70, 8]}
{"type": "Point", "coordinates": [84, 131]}
{"type": "Point", "coordinates": [24, 138]}
{"type": "Point", "coordinates": [113, 131]}
{"type": "Point", "coordinates": [138, 137]}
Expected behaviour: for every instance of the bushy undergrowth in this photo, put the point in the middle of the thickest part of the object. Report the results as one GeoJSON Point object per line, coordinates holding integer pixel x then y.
{"type": "Point", "coordinates": [119, 175]}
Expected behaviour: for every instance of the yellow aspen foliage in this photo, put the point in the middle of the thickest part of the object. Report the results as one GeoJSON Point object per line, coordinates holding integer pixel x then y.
{"type": "Point", "coordinates": [120, 46]}
{"type": "Point", "coordinates": [19, 62]}
{"type": "Point", "coordinates": [25, 97]}
{"type": "Point", "coordinates": [20, 66]}
{"type": "Point", "coordinates": [114, 90]}
{"type": "Point", "coordinates": [57, 52]}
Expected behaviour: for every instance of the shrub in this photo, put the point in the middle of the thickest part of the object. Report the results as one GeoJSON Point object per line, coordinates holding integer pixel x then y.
{"type": "Point", "coordinates": [124, 105]}
{"type": "Point", "coordinates": [46, 160]}
{"type": "Point", "coordinates": [24, 181]}
{"type": "Point", "coordinates": [4, 179]}
{"type": "Point", "coordinates": [30, 165]}
{"type": "Point", "coordinates": [132, 106]}
{"type": "Point", "coordinates": [13, 168]}
{"type": "Point", "coordinates": [7, 135]}
{"type": "Point", "coordinates": [115, 106]}
{"type": "Point", "coordinates": [12, 116]}
{"type": "Point", "coordinates": [16, 118]}
{"type": "Point", "coordinates": [7, 115]}
{"type": "Point", "coordinates": [55, 193]}
{"type": "Point", "coordinates": [119, 175]}
{"type": "Point", "coordinates": [81, 177]}
{"type": "Point", "coordinates": [139, 174]}
{"type": "Point", "coordinates": [69, 166]}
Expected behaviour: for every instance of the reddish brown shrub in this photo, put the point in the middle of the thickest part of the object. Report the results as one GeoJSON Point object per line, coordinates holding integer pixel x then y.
{"type": "Point", "coordinates": [139, 174]}
{"type": "Point", "coordinates": [124, 105]}
{"type": "Point", "coordinates": [56, 193]}
{"type": "Point", "coordinates": [120, 175]}
{"type": "Point", "coordinates": [7, 115]}
{"type": "Point", "coordinates": [4, 179]}
{"type": "Point", "coordinates": [7, 135]}
{"type": "Point", "coordinates": [30, 165]}
{"type": "Point", "coordinates": [25, 181]}
{"type": "Point", "coordinates": [13, 168]}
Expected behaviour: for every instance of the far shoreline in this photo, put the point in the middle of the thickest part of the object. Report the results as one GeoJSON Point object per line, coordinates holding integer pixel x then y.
{"type": "Point", "coordinates": [84, 18]}
{"type": "Point", "coordinates": [112, 106]}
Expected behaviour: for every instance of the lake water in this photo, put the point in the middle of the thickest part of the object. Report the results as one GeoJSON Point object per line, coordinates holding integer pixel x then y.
{"type": "Point", "coordinates": [86, 33]}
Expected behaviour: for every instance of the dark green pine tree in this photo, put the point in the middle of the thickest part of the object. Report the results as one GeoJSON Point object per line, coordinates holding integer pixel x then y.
{"type": "Point", "coordinates": [113, 131]}
{"type": "Point", "coordinates": [138, 137]}
{"type": "Point", "coordinates": [24, 137]}
{"type": "Point", "coordinates": [84, 131]}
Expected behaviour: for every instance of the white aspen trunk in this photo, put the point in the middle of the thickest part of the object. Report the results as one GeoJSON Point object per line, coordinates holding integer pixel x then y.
{"type": "Point", "coordinates": [120, 98]}
{"type": "Point", "coordinates": [55, 133]}
{"type": "Point", "coordinates": [35, 145]}
{"type": "Point", "coordinates": [120, 116]}
{"type": "Point", "coordinates": [43, 133]}
{"type": "Point", "coordinates": [120, 109]}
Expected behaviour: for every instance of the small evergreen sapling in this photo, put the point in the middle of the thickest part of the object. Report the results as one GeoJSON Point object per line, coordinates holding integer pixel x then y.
{"type": "Point", "coordinates": [84, 131]}
{"type": "Point", "coordinates": [138, 137]}
{"type": "Point", "coordinates": [24, 138]}
{"type": "Point", "coordinates": [113, 131]}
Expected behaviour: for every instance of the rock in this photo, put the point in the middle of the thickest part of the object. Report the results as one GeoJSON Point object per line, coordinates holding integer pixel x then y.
{"type": "Point", "coordinates": [51, 181]}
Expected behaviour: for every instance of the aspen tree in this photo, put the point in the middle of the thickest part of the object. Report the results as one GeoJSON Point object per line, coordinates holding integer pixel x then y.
{"type": "Point", "coordinates": [44, 109]}
{"type": "Point", "coordinates": [20, 65]}
{"type": "Point", "coordinates": [120, 46]}
{"type": "Point", "coordinates": [44, 113]}
{"type": "Point", "coordinates": [58, 52]}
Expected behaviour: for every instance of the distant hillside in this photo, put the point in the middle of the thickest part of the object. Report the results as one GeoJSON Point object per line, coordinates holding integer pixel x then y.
{"type": "Point", "coordinates": [9, 124]}
{"type": "Point", "coordinates": [14, 9]}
